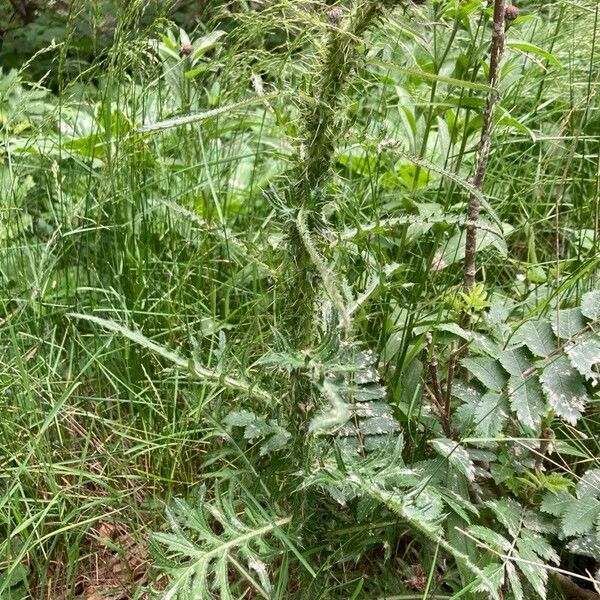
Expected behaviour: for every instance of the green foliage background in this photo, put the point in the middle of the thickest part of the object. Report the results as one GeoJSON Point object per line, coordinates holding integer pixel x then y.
{"type": "Point", "coordinates": [231, 309]}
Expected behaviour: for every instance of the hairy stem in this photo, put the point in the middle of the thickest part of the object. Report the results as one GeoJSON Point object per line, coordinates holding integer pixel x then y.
{"type": "Point", "coordinates": [321, 131]}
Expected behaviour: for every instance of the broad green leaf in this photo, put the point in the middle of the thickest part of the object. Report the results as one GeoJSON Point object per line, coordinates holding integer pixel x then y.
{"type": "Point", "coordinates": [527, 400]}
{"type": "Point", "coordinates": [537, 336]}
{"type": "Point", "coordinates": [533, 49]}
{"type": "Point", "coordinates": [589, 484]}
{"type": "Point", "coordinates": [206, 43]}
{"type": "Point", "coordinates": [239, 418]}
{"type": "Point", "coordinates": [466, 392]}
{"type": "Point", "coordinates": [568, 323]}
{"type": "Point", "coordinates": [556, 504]}
{"type": "Point", "coordinates": [490, 414]}
{"type": "Point", "coordinates": [515, 361]}
{"type": "Point", "coordinates": [564, 389]}
{"type": "Point", "coordinates": [488, 371]}
{"type": "Point", "coordinates": [584, 354]}
{"type": "Point", "coordinates": [590, 305]}
{"type": "Point", "coordinates": [580, 516]}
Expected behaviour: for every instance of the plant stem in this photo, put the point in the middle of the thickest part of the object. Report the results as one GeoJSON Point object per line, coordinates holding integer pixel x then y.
{"type": "Point", "coordinates": [318, 140]}
{"type": "Point", "coordinates": [483, 151]}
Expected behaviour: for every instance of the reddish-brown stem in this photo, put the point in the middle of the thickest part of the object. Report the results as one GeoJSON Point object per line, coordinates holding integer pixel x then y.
{"type": "Point", "coordinates": [483, 151]}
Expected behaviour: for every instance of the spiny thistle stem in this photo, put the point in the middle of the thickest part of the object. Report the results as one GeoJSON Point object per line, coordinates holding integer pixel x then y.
{"type": "Point", "coordinates": [483, 151]}
{"type": "Point", "coordinates": [316, 148]}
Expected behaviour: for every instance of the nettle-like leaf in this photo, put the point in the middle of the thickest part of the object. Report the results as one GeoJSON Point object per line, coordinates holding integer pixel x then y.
{"type": "Point", "coordinates": [537, 336]}
{"type": "Point", "coordinates": [589, 484]}
{"type": "Point", "coordinates": [590, 305]}
{"type": "Point", "coordinates": [488, 371]}
{"type": "Point", "coordinates": [524, 551]}
{"type": "Point", "coordinates": [211, 540]}
{"type": "Point", "coordinates": [586, 545]}
{"type": "Point", "coordinates": [584, 354]}
{"type": "Point", "coordinates": [515, 361]}
{"type": "Point", "coordinates": [568, 323]}
{"type": "Point", "coordinates": [527, 400]}
{"type": "Point", "coordinates": [564, 389]}
{"type": "Point", "coordinates": [490, 414]}
{"type": "Point", "coordinates": [579, 515]}
{"type": "Point", "coordinates": [556, 503]}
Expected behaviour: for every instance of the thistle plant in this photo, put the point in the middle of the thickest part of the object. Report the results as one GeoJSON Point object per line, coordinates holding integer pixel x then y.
{"type": "Point", "coordinates": [323, 124]}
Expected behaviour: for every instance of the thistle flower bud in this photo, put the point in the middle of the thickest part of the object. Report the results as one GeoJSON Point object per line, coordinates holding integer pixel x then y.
{"type": "Point", "coordinates": [511, 12]}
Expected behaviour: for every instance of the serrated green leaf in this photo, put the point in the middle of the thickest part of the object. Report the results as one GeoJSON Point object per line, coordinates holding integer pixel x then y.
{"type": "Point", "coordinates": [538, 544]}
{"type": "Point", "coordinates": [491, 538]}
{"type": "Point", "coordinates": [537, 336]}
{"type": "Point", "coordinates": [564, 389]}
{"type": "Point", "coordinates": [381, 425]}
{"type": "Point", "coordinates": [515, 361]}
{"type": "Point", "coordinates": [515, 581]}
{"type": "Point", "coordinates": [508, 512]}
{"type": "Point", "coordinates": [527, 400]}
{"type": "Point", "coordinates": [584, 354]}
{"type": "Point", "coordinates": [465, 392]}
{"type": "Point", "coordinates": [557, 503]}
{"type": "Point", "coordinates": [568, 323]}
{"type": "Point", "coordinates": [589, 484]}
{"type": "Point", "coordinates": [490, 414]}
{"type": "Point", "coordinates": [488, 371]}
{"type": "Point", "coordinates": [587, 545]}
{"type": "Point", "coordinates": [580, 516]}
{"type": "Point", "coordinates": [532, 568]}
{"type": "Point", "coordinates": [590, 305]}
